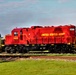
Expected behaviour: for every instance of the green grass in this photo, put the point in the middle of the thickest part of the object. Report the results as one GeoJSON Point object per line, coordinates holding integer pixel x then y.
{"type": "Point", "coordinates": [38, 67]}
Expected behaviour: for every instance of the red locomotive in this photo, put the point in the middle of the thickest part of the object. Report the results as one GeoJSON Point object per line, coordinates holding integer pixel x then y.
{"type": "Point", "coordinates": [55, 39]}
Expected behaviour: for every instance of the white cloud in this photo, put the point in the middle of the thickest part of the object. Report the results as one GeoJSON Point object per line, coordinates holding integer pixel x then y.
{"type": "Point", "coordinates": [22, 13]}
{"type": "Point", "coordinates": [15, 4]}
{"type": "Point", "coordinates": [63, 1]}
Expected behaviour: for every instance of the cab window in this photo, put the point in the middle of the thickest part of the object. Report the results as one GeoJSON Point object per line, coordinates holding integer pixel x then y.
{"type": "Point", "coordinates": [21, 35]}
{"type": "Point", "coordinates": [21, 32]}
{"type": "Point", "coordinates": [15, 33]}
{"type": "Point", "coordinates": [72, 29]}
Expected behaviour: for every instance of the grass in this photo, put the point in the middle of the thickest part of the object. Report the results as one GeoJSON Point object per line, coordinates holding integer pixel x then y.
{"type": "Point", "coordinates": [38, 67]}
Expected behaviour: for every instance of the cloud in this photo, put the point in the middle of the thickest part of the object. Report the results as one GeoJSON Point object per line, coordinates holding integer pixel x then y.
{"type": "Point", "coordinates": [11, 5]}
{"type": "Point", "coordinates": [15, 19]}
{"type": "Point", "coordinates": [63, 1]}
{"type": "Point", "coordinates": [24, 13]}
{"type": "Point", "coordinates": [14, 14]}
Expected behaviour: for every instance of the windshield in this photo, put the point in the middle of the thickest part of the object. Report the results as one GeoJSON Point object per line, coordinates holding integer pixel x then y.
{"type": "Point", "coordinates": [15, 33]}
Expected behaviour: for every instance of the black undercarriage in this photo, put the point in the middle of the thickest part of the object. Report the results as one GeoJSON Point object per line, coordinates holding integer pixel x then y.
{"type": "Point", "coordinates": [52, 48]}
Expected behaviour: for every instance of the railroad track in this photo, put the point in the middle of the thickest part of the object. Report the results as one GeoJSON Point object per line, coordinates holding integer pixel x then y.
{"type": "Point", "coordinates": [4, 57]}
{"type": "Point", "coordinates": [8, 58]}
{"type": "Point", "coordinates": [34, 54]}
{"type": "Point", "coordinates": [24, 54]}
{"type": "Point", "coordinates": [12, 57]}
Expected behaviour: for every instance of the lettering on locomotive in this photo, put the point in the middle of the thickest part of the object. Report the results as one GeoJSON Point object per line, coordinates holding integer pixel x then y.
{"type": "Point", "coordinates": [53, 34]}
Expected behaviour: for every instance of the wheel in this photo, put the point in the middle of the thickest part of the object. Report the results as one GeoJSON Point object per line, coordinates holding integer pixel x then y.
{"type": "Point", "coordinates": [7, 49]}
{"type": "Point", "coordinates": [51, 49]}
{"type": "Point", "coordinates": [12, 51]}
{"type": "Point", "coordinates": [25, 50]}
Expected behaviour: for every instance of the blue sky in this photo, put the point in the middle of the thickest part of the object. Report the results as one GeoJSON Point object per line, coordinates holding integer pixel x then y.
{"type": "Point", "coordinates": [25, 13]}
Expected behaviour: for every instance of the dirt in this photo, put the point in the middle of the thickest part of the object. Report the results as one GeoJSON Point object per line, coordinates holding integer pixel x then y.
{"type": "Point", "coordinates": [70, 58]}
{"type": "Point", "coordinates": [55, 57]}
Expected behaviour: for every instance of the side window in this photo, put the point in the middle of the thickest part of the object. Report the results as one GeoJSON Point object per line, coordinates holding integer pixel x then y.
{"type": "Point", "coordinates": [75, 31]}
{"type": "Point", "coordinates": [15, 33]}
{"type": "Point", "coordinates": [21, 35]}
{"type": "Point", "coordinates": [21, 32]}
{"type": "Point", "coordinates": [72, 29]}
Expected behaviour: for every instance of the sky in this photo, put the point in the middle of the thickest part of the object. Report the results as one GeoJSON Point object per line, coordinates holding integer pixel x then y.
{"type": "Point", "coordinates": [27, 13]}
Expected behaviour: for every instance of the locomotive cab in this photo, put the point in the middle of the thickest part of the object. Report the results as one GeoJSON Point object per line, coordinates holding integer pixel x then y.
{"type": "Point", "coordinates": [17, 35]}
{"type": "Point", "coordinates": [14, 40]}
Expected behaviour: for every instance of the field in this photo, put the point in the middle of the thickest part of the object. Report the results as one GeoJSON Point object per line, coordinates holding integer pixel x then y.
{"type": "Point", "coordinates": [38, 67]}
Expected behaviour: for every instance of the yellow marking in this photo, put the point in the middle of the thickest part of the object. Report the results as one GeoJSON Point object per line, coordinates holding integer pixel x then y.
{"type": "Point", "coordinates": [68, 43]}
{"type": "Point", "coordinates": [46, 34]}
{"type": "Point", "coordinates": [15, 45]}
{"type": "Point", "coordinates": [27, 44]}
{"type": "Point", "coordinates": [15, 37]}
{"type": "Point", "coordinates": [53, 34]}
{"type": "Point", "coordinates": [2, 45]}
{"type": "Point", "coordinates": [42, 44]}
{"type": "Point", "coordinates": [61, 33]}
{"type": "Point", "coordinates": [33, 45]}
{"type": "Point", "coordinates": [52, 44]}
